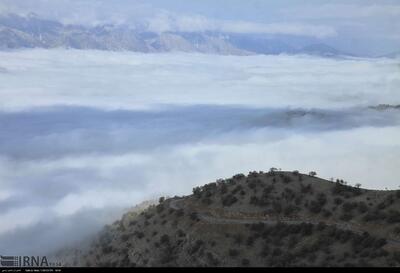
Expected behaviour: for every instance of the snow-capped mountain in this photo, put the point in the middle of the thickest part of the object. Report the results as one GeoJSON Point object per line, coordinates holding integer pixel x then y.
{"type": "Point", "coordinates": [33, 32]}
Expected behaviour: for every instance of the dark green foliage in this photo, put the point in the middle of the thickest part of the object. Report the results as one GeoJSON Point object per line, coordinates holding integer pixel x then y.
{"type": "Point", "coordinates": [233, 252]}
{"type": "Point", "coordinates": [197, 192]}
{"type": "Point", "coordinates": [290, 210]}
{"type": "Point", "coordinates": [374, 215]}
{"type": "Point", "coordinates": [239, 176]}
{"type": "Point", "coordinates": [287, 179]}
{"type": "Point", "coordinates": [180, 212]}
{"type": "Point", "coordinates": [125, 237]}
{"type": "Point", "coordinates": [229, 200]}
{"type": "Point", "coordinates": [341, 188]}
{"type": "Point", "coordinates": [393, 216]}
{"type": "Point", "coordinates": [160, 208]}
{"type": "Point", "coordinates": [237, 189]}
{"type": "Point", "coordinates": [212, 260]}
{"type": "Point", "coordinates": [194, 216]}
{"type": "Point", "coordinates": [206, 201]}
{"type": "Point", "coordinates": [139, 234]}
{"type": "Point", "coordinates": [196, 247]}
{"type": "Point", "coordinates": [346, 216]}
{"type": "Point", "coordinates": [362, 207]}
{"type": "Point", "coordinates": [306, 188]}
{"type": "Point", "coordinates": [250, 241]}
{"type": "Point", "coordinates": [107, 249]}
{"type": "Point", "coordinates": [164, 239]}
{"type": "Point", "coordinates": [223, 188]}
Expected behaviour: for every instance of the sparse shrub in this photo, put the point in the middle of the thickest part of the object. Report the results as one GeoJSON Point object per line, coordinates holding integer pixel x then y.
{"type": "Point", "coordinates": [257, 227]}
{"type": "Point", "coordinates": [277, 207]}
{"type": "Point", "coordinates": [290, 209]}
{"type": "Point", "coordinates": [374, 215]}
{"type": "Point", "coordinates": [206, 201]}
{"type": "Point", "coordinates": [253, 174]}
{"type": "Point", "coordinates": [396, 256]}
{"type": "Point", "coordinates": [306, 188]}
{"type": "Point", "coordinates": [287, 179]}
{"type": "Point", "coordinates": [341, 188]}
{"type": "Point", "coordinates": [362, 207]}
{"type": "Point", "coordinates": [250, 241]}
{"type": "Point", "coordinates": [312, 173]}
{"type": "Point", "coordinates": [237, 189]}
{"type": "Point", "coordinates": [181, 233]}
{"type": "Point", "coordinates": [265, 251]}
{"type": "Point", "coordinates": [180, 213]}
{"type": "Point", "coordinates": [139, 234]}
{"type": "Point", "coordinates": [160, 208]}
{"type": "Point", "coordinates": [393, 216]}
{"type": "Point", "coordinates": [326, 213]}
{"type": "Point", "coordinates": [238, 239]}
{"type": "Point", "coordinates": [164, 239]}
{"type": "Point", "coordinates": [292, 242]}
{"type": "Point", "coordinates": [213, 261]}
{"type": "Point", "coordinates": [338, 201]}
{"type": "Point", "coordinates": [239, 176]}
{"type": "Point", "coordinates": [233, 252]}
{"type": "Point", "coordinates": [315, 207]}
{"type": "Point", "coordinates": [229, 200]}
{"type": "Point", "coordinates": [194, 216]}
{"type": "Point", "coordinates": [196, 247]}
{"type": "Point", "coordinates": [347, 216]}
{"type": "Point", "coordinates": [245, 262]}
{"type": "Point", "coordinates": [223, 189]}
{"type": "Point", "coordinates": [252, 184]}
{"type": "Point", "coordinates": [277, 252]}
{"type": "Point", "coordinates": [107, 249]}
{"type": "Point", "coordinates": [197, 192]}
{"type": "Point", "coordinates": [125, 237]}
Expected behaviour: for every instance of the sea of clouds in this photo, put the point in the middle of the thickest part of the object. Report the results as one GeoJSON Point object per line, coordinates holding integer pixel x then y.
{"type": "Point", "coordinates": [87, 134]}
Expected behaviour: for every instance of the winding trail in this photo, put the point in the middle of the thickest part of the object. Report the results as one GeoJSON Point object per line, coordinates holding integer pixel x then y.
{"type": "Point", "coordinates": [176, 204]}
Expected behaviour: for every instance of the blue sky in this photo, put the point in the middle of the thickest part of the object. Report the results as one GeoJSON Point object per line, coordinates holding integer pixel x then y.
{"type": "Point", "coordinates": [366, 27]}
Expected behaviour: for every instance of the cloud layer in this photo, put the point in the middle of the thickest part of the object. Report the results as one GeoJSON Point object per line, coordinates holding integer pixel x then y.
{"type": "Point", "coordinates": [130, 81]}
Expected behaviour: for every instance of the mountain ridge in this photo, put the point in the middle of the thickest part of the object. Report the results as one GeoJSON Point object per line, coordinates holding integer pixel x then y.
{"type": "Point", "coordinates": [33, 32]}
{"type": "Point", "coordinates": [278, 218]}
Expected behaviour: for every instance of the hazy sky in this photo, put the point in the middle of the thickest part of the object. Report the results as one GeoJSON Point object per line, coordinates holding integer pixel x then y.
{"type": "Point", "coordinates": [364, 26]}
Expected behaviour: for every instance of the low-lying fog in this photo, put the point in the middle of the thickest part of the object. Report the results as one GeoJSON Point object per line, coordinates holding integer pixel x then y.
{"type": "Point", "coordinates": [86, 134]}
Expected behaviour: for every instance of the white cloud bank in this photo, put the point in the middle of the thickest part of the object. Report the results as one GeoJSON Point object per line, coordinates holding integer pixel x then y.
{"type": "Point", "coordinates": [130, 80]}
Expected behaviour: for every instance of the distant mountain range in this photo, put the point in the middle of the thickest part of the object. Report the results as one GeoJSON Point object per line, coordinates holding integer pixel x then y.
{"type": "Point", "coordinates": [34, 32]}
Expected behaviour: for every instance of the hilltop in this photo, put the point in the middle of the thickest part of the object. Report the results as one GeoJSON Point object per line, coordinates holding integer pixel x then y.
{"type": "Point", "coordinates": [267, 219]}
